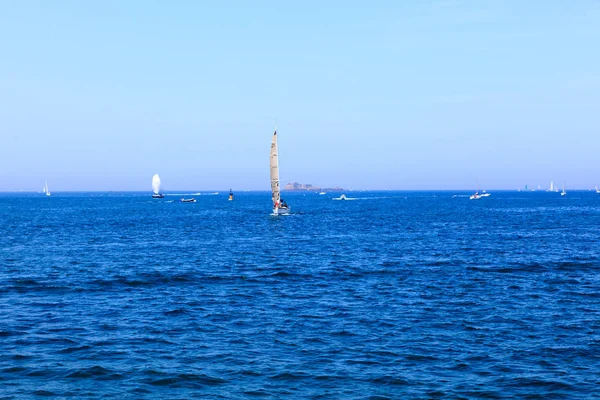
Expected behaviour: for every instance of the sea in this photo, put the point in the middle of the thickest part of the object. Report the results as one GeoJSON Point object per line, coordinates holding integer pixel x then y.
{"type": "Point", "coordinates": [387, 295]}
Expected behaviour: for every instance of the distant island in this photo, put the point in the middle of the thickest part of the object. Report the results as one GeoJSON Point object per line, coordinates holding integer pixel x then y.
{"type": "Point", "coordinates": [307, 187]}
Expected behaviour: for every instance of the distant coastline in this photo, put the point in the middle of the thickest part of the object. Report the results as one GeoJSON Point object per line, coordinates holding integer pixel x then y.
{"type": "Point", "coordinates": [307, 187]}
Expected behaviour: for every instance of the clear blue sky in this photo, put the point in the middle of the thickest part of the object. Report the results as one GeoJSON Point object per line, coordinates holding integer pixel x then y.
{"type": "Point", "coordinates": [423, 94]}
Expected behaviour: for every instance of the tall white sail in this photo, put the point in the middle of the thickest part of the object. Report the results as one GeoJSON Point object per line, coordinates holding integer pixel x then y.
{"type": "Point", "coordinates": [46, 190]}
{"type": "Point", "coordinates": [275, 193]}
{"type": "Point", "coordinates": [156, 184]}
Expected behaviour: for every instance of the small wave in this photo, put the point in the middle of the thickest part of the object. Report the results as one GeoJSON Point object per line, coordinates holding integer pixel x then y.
{"type": "Point", "coordinates": [97, 372]}
{"type": "Point", "coordinates": [523, 382]}
{"type": "Point", "coordinates": [70, 350]}
{"type": "Point", "coordinates": [289, 376]}
{"type": "Point", "coordinates": [12, 370]}
{"type": "Point", "coordinates": [389, 380]}
{"type": "Point", "coordinates": [185, 380]}
{"type": "Point", "coordinates": [258, 393]}
{"type": "Point", "coordinates": [172, 313]}
{"type": "Point", "coordinates": [43, 393]}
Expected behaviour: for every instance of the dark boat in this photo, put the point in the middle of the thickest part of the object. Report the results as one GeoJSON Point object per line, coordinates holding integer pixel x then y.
{"type": "Point", "coordinates": [158, 196]}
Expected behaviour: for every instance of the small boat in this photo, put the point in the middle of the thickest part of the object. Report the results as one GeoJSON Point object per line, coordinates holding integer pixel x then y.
{"type": "Point", "coordinates": [563, 193]}
{"type": "Point", "coordinates": [597, 190]}
{"type": "Point", "coordinates": [280, 207]}
{"type": "Point", "coordinates": [230, 195]}
{"type": "Point", "coordinates": [322, 193]}
{"type": "Point", "coordinates": [552, 187]}
{"type": "Point", "coordinates": [156, 187]}
{"type": "Point", "coordinates": [190, 200]}
{"type": "Point", "coordinates": [485, 194]}
{"type": "Point", "coordinates": [46, 190]}
{"type": "Point", "coordinates": [342, 197]}
{"type": "Point", "coordinates": [475, 196]}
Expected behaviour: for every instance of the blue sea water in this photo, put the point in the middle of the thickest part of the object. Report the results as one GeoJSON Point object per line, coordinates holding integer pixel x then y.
{"type": "Point", "coordinates": [390, 295]}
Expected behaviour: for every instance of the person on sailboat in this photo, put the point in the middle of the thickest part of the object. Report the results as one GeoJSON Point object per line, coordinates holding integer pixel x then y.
{"type": "Point", "coordinates": [283, 204]}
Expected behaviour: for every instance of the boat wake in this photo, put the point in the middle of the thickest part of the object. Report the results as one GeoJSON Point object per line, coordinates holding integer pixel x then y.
{"type": "Point", "coordinates": [360, 198]}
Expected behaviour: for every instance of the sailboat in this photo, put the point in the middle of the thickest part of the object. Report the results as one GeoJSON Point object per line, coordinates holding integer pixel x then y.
{"type": "Point", "coordinates": [597, 190]}
{"type": "Point", "coordinates": [156, 187]}
{"type": "Point", "coordinates": [475, 196]}
{"type": "Point", "coordinates": [279, 206]}
{"type": "Point", "coordinates": [563, 190]}
{"type": "Point", "coordinates": [46, 190]}
{"type": "Point", "coordinates": [230, 195]}
{"type": "Point", "coordinates": [552, 187]}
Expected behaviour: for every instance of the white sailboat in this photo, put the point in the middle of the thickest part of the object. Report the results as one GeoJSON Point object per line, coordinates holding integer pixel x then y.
{"type": "Point", "coordinates": [552, 187]}
{"type": "Point", "coordinates": [46, 190]}
{"type": "Point", "coordinates": [597, 190]}
{"type": "Point", "coordinates": [279, 206]}
{"type": "Point", "coordinates": [475, 196]}
{"type": "Point", "coordinates": [563, 190]}
{"type": "Point", "coordinates": [156, 187]}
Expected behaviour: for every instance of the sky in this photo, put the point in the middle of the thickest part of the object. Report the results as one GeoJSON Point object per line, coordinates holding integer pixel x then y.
{"type": "Point", "coordinates": [406, 95]}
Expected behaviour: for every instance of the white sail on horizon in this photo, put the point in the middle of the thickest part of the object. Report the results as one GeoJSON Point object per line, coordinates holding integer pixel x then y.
{"type": "Point", "coordinates": [156, 184]}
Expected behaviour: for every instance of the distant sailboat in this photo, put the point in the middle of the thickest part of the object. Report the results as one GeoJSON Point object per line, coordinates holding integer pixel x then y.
{"type": "Point", "coordinates": [156, 187]}
{"type": "Point", "coordinates": [279, 206]}
{"type": "Point", "coordinates": [552, 187]}
{"type": "Point", "coordinates": [230, 195]}
{"type": "Point", "coordinates": [563, 190]}
{"type": "Point", "coordinates": [475, 196]}
{"type": "Point", "coordinates": [46, 190]}
{"type": "Point", "coordinates": [597, 190]}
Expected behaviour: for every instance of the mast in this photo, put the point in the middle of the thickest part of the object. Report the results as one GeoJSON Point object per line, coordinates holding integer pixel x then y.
{"type": "Point", "coordinates": [274, 164]}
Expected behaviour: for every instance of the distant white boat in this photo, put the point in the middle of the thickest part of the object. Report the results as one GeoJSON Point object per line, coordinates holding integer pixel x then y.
{"type": "Point", "coordinates": [484, 193]}
{"type": "Point", "coordinates": [597, 190]}
{"type": "Point", "coordinates": [563, 190]}
{"type": "Point", "coordinates": [552, 187]}
{"type": "Point", "coordinates": [156, 187]}
{"type": "Point", "coordinates": [46, 190]}
{"type": "Point", "coordinates": [475, 196]}
{"type": "Point", "coordinates": [280, 207]}
{"type": "Point", "coordinates": [342, 197]}
{"type": "Point", "coordinates": [322, 193]}
{"type": "Point", "coordinates": [184, 200]}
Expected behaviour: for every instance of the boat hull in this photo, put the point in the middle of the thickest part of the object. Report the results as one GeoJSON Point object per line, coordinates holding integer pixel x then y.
{"type": "Point", "coordinates": [281, 211]}
{"type": "Point", "coordinates": [158, 196]}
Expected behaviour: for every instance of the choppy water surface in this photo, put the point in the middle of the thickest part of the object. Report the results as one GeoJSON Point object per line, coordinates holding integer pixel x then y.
{"type": "Point", "coordinates": [392, 295]}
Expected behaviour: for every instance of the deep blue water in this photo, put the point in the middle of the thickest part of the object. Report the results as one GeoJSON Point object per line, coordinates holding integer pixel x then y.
{"type": "Point", "coordinates": [392, 295]}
